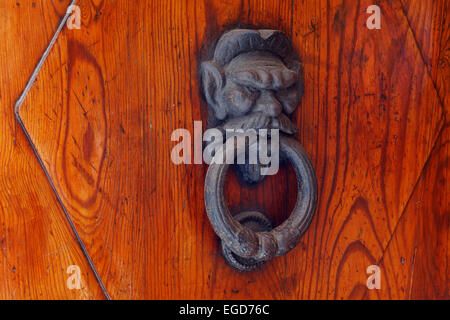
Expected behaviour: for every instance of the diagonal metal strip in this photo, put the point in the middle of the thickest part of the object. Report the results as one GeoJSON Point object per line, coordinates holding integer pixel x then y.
{"type": "Point", "coordinates": [16, 111]}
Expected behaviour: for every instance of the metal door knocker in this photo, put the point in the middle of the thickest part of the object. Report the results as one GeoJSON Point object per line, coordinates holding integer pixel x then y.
{"type": "Point", "coordinates": [251, 85]}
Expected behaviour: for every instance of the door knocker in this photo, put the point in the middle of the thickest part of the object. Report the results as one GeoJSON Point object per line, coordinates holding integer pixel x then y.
{"type": "Point", "coordinates": [251, 85]}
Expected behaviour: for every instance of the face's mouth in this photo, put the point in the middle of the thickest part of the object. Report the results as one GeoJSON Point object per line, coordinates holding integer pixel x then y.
{"type": "Point", "coordinates": [259, 121]}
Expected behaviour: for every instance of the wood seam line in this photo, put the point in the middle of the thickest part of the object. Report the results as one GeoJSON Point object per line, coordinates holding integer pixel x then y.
{"type": "Point", "coordinates": [412, 193]}
{"type": "Point", "coordinates": [16, 112]}
{"type": "Point", "coordinates": [443, 119]}
{"type": "Point", "coordinates": [441, 101]}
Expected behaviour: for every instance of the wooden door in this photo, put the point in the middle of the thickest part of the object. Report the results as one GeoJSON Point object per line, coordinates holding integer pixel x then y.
{"type": "Point", "coordinates": [101, 112]}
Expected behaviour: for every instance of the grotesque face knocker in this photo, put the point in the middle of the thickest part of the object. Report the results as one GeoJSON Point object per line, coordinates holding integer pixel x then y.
{"type": "Point", "coordinates": [254, 81]}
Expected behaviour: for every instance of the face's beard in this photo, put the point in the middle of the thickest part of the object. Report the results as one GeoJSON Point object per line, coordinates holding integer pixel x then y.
{"type": "Point", "coordinates": [258, 121]}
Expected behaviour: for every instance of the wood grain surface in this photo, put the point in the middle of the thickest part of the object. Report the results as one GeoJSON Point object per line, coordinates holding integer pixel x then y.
{"type": "Point", "coordinates": [420, 241]}
{"type": "Point", "coordinates": [37, 244]}
{"type": "Point", "coordinates": [103, 108]}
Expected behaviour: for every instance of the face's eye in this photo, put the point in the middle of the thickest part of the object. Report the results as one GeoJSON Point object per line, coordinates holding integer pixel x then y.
{"type": "Point", "coordinates": [241, 99]}
{"type": "Point", "coordinates": [289, 98]}
{"type": "Point", "coordinates": [249, 91]}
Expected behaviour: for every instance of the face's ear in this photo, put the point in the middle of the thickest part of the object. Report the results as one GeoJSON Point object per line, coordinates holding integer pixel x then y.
{"type": "Point", "coordinates": [213, 80]}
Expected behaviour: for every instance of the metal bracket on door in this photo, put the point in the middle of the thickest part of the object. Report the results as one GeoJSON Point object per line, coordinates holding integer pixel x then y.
{"type": "Point", "coordinates": [251, 85]}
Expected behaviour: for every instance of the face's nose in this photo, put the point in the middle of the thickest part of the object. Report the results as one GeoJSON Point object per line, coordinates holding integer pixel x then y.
{"type": "Point", "coordinates": [268, 104]}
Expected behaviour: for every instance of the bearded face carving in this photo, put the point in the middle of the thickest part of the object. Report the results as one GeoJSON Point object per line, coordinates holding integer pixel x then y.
{"type": "Point", "coordinates": [253, 82]}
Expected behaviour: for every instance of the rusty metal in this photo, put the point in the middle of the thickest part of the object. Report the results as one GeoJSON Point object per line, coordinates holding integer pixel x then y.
{"type": "Point", "coordinates": [254, 82]}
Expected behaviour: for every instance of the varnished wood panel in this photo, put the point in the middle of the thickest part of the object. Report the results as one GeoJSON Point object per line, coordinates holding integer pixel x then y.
{"type": "Point", "coordinates": [417, 256]}
{"type": "Point", "coordinates": [103, 108]}
{"type": "Point", "coordinates": [415, 264]}
{"type": "Point", "coordinates": [430, 23]}
{"type": "Point", "coordinates": [37, 244]}
{"type": "Point", "coordinates": [367, 172]}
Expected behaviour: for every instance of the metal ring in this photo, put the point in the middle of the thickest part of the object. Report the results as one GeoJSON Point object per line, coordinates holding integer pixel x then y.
{"type": "Point", "coordinates": [262, 246]}
{"type": "Point", "coordinates": [257, 222]}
